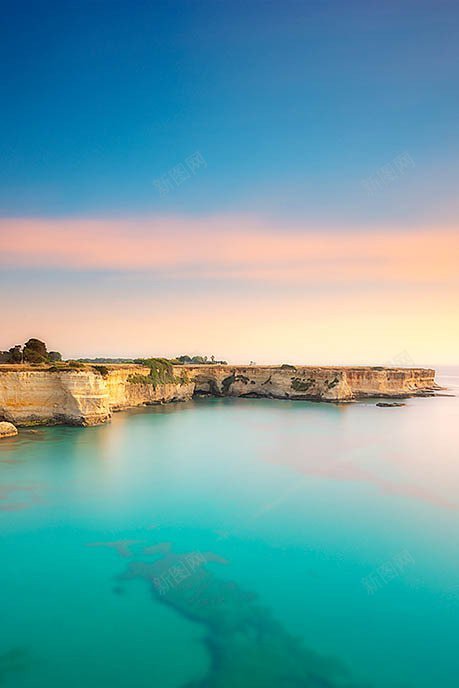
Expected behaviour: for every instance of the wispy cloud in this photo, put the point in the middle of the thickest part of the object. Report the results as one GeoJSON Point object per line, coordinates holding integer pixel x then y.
{"type": "Point", "coordinates": [232, 248]}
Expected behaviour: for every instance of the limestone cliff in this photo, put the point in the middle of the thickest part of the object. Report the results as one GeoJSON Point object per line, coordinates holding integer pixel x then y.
{"type": "Point", "coordinates": [313, 383]}
{"type": "Point", "coordinates": [123, 393]}
{"type": "Point", "coordinates": [79, 397]}
{"type": "Point", "coordinates": [41, 396]}
{"type": "Point", "coordinates": [278, 382]}
{"type": "Point", "coordinates": [86, 396]}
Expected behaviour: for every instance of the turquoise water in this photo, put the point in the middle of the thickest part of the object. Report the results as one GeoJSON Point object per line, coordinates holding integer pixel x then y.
{"type": "Point", "coordinates": [243, 542]}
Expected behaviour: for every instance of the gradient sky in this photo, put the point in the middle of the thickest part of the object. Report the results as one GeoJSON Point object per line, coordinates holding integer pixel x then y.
{"type": "Point", "coordinates": [269, 181]}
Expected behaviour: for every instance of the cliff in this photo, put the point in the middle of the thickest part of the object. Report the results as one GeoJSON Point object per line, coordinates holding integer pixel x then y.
{"type": "Point", "coordinates": [311, 383]}
{"type": "Point", "coordinates": [81, 396]}
{"type": "Point", "coordinates": [87, 396]}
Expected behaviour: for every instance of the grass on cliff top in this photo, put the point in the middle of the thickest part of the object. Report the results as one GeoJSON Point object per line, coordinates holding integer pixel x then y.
{"type": "Point", "coordinates": [161, 373]}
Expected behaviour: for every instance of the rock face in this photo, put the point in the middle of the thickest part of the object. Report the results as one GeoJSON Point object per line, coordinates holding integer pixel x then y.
{"type": "Point", "coordinates": [79, 397]}
{"type": "Point", "coordinates": [317, 384]}
{"type": "Point", "coordinates": [87, 396]}
{"type": "Point", "coordinates": [7, 430]}
{"type": "Point", "coordinates": [123, 394]}
{"type": "Point", "coordinates": [42, 396]}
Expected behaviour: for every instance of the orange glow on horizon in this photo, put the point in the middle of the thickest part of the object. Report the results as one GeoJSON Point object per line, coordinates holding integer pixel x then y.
{"type": "Point", "coordinates": [239, 287]}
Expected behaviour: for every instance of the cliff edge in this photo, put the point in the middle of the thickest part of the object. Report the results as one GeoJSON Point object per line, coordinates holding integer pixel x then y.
{"type": "Point", "coordinates": [88, 395]}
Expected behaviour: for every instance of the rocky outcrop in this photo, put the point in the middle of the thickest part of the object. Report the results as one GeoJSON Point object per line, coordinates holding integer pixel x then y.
{"type": "Point", "coordinates": [7, 430]}
{"type": "Point", "coordinates": [79, 397]}
{"type": "Point", "coordinates": [391, 382]}
{"type": "Point", "coordinates": [88, 395]}
{"type": "Point", "coordinates": [311, 383]}
{"type": "Point", "coordinates": [42, 396]}
{"type": "Point", "coordinates": [123, 393]}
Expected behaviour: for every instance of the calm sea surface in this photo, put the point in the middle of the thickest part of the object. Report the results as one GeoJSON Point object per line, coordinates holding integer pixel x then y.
{"type": "Point", "coordinates": [234, 544]}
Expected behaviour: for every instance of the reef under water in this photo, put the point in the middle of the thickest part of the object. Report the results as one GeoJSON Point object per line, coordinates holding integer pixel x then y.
{"type": "Point", "coordinates": [16, 659]}
{"type": "Point", "coordinates": [247, 647]}
{"type": "Point", "coordinates": [311, 546]}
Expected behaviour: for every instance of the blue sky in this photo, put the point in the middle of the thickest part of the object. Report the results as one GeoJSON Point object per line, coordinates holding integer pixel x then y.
{"type": "Point", "coordinates": [320, 223]}
{"type": "Point", "coordinates": [291, 105]}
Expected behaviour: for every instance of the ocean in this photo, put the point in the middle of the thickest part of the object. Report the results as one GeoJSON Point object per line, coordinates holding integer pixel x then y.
{"type": "Point", "coordinates": [234, 543]}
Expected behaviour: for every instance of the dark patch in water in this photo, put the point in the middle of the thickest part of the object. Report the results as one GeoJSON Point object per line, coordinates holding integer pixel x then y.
{"type": "Point", "coordinates": [247, 646]}
{"type": "Point", "coordinates": [14, 660]}
{"type": "Point", "coordinates": [123, 547]}
{"type": "Point", "coordinates": [162, 548]}
{"type": "Point", "coordinates": [16, 497]}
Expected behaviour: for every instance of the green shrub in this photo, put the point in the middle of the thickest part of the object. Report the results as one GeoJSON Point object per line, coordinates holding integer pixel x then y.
{"type": "Point", "coordinates": [139, 379]}
{"type": "Point", "coordinates": [101, 369]}
{"type": "Point", "coordinates": [161, 372]}
{"type": "Point", "coordinates": [34, 352]}
{"type": "Point", "coordinates": [75, 364]}
{"type": "Point", "coordinates": [301, 385]}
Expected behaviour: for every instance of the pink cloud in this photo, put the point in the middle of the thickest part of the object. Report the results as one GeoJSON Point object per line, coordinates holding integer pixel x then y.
{"type": "Point", "coordinates": [238, 248]}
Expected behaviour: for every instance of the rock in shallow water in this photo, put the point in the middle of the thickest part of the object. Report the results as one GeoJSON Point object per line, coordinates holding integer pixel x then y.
{"type": "Point", "coordinates": [389, 404]}
{"type": "Point", "coordinates": [7, 430]}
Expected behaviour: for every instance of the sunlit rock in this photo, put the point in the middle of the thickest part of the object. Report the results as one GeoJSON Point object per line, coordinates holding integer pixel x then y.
{"type": "Point", "coordinates": [7, 430]}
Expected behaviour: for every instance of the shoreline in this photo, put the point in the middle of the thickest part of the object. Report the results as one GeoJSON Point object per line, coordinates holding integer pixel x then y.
{"type": "Point", "coordinates": [88, 394]}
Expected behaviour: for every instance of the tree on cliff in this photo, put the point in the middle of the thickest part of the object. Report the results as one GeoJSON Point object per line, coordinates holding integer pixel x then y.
{"type": "Point", "coordinates": [200, 360]}
{"type": "Point", "coordinates": [35, 351]}
{"type": "Point", "coordinates": [15, 354]}
{"type": "Point", "coordinates": [184, 359]}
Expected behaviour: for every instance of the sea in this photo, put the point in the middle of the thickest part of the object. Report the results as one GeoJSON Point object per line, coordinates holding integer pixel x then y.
{"type": "Point", "coordinates": [235, 543]}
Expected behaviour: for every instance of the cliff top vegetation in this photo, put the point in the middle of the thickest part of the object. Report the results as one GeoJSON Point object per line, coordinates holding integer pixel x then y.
{"type": "Point", "coordinates": [33, 351]}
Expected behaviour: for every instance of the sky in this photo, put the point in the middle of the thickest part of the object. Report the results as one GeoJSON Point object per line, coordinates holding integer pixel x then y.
{"type": "Point", "coordinates": [266, 181]}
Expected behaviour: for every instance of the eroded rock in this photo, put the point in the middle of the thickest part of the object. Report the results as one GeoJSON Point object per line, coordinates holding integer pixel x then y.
{"type": "Point", "coordinates": [7, 430]}
{"type": "Point", "coordinates": [390, 404]}
{"type": "Point", "coordinates": [86, 396]}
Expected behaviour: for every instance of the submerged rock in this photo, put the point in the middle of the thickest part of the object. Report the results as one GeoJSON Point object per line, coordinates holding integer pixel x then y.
{"type": "Point", "coordinates": [247, 646]}
{"type": "Point", "coordinates": [386, 404]}
{"type": "Point", "coordinates": [7, 430]}
{"type": "Point", "coordinates": [12, 661]}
